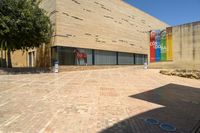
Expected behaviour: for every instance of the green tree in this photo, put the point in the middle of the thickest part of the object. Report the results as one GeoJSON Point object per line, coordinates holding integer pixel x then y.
{"type": "Point", "coordinates": [23, 25]}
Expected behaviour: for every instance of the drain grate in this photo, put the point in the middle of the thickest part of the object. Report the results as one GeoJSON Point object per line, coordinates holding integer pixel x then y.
{"type": "Point", "coordinates": [167, 127]}
{"type": "Point", "coordinates": [151, 121]}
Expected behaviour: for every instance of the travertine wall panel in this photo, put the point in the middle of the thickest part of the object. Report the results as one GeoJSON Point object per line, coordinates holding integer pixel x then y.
{"type": "Point", "coordinates": [50, 7]}
{"type": "Point", "coordinates": [19, 59]}
{"type": "Point", "coordinates": [103, 24]}
{"type": "Point", "coordinates": [196, 32]}
{"type": "Point", "coordinates": [176, 39]}
{"type": "Point", "coordinates": [186, 42]}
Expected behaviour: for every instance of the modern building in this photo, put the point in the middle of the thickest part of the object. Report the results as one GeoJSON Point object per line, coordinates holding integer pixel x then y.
{"type": "Point", "coordinates": [110, 32]}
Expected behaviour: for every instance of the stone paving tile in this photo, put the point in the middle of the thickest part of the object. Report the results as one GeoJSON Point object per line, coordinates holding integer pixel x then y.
{"type": "Point", "coordinates": [105, 101]}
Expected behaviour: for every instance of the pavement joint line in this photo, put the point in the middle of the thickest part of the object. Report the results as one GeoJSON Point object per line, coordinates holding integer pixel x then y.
{"type": "Point", "coordinates": [72, 105]}
{"type": "Point", "coordinates": [9, 121]}
{"type": "Point", "coordinates": [56, 89]}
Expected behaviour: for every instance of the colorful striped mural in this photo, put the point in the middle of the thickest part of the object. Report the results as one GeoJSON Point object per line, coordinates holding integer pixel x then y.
{"type": "Point", "coordinates": [161, 45]}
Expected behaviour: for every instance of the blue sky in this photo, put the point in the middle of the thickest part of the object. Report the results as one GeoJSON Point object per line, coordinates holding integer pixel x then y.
{"type": "Point", "coordinates": [173, 12]}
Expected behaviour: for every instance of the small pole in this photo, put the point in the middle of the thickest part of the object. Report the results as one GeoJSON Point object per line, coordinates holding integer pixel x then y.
{"type": "Point", "coordinates": [56, 67]}
{"type": "Point", "coordinates": [145, 64]}
{"type": "Point", "coordinates": [1, 56]}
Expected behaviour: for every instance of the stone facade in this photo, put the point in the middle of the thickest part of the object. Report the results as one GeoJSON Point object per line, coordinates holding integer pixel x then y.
{"type": "Point", "coordinates": [186, 39]}
{"type": "Point", "coordinates": [19, 58]}
{"type": "Point", "coordinates": [103, 24]}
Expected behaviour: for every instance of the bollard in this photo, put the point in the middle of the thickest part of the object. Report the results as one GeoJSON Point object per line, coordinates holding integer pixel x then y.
{"type": "Point", "coordinates": [56, 67]}
{"type": "Point", "coordinates": [145, 65]}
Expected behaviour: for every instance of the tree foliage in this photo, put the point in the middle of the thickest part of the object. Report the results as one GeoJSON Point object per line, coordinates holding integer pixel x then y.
{"type": "Point", "coordinates": [23, 25]}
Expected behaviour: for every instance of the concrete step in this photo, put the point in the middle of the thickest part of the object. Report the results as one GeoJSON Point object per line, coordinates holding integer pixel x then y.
{"type": "Point", "coordinates": [95, 67]}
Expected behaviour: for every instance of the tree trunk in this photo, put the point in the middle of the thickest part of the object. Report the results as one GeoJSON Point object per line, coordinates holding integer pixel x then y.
{"type": "Point", "coordinates": [9, 59]}
{"type": "Point", "coordinates": [1, 64]}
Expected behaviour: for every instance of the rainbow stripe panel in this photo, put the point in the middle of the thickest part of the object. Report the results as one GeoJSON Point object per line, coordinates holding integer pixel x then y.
{"type": "Point", "coordinates": [161, 45]}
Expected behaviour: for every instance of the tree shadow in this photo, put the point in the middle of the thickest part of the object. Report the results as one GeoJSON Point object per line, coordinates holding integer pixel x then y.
{"type": "Point", "coordinates": [3, 63]}
{"type": "Point", "coordinates": [23, 70]}
{"type": "Point", "coordinates": [181, 109]}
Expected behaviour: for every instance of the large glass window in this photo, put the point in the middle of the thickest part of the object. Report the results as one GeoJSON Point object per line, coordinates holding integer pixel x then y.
{"type": "Point", "coordinates": [89, 56]}
{"type": "Point", "coordinates": [105, 57]}
{"type": "Point", "coordinates": [64, 55]}
{"type": "Point", "coordinates": [125, 58]}
{"type": "Point", "coordinates": [140, 59]}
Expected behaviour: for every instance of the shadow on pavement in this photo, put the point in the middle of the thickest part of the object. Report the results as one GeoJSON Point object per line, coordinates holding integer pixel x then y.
{"type": "Point", "coordinates": [181, 109]}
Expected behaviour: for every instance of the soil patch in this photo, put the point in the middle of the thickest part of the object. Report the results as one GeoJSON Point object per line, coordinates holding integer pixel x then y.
{"type": "Point", "coordinates": [193, 74]}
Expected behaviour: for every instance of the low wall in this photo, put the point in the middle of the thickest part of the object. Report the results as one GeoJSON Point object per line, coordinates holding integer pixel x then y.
{"type": "Point", "coordinates": [22, 70]}
{"type": "Point", "coordinates": [95, 67]}
{"type": "Point", "coordinates": [175, 65]}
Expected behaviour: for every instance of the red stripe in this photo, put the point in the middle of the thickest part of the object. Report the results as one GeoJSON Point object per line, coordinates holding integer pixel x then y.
{"type": "Point", "coordinates": [152, 46]}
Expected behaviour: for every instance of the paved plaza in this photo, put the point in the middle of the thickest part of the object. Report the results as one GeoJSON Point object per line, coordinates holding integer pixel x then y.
{"type": "Point", "coordinates": [117, 100]}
